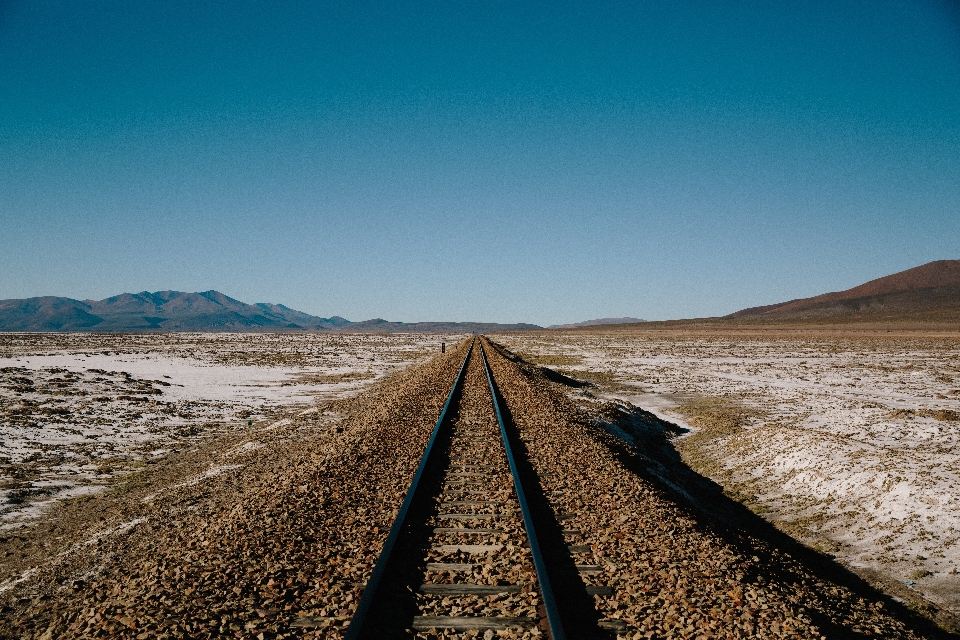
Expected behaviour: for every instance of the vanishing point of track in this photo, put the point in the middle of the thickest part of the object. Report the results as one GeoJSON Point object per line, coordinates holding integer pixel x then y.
{"type": "Point", "coordinates": [476, 544]}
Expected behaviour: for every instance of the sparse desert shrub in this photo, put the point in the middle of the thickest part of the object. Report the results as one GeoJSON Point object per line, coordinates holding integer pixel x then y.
{"type": "Point", "coordinates": [719, 416]}
{"type": "Point", "coordinates": [901, 413]}
{"type": "Point", "coordinates": [186, 432]}
{"type": "Point", "coordinates": [596, 377]}
{"type": "Point", "coordinates": [943, 415]}
{"type": "Point", "coordinates": [333, 378]}
{"type": "Point", "coordinates": [553, 360]}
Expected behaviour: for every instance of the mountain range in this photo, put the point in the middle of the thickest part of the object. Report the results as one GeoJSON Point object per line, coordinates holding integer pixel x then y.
{"type": "Point", "coordinates": [927, 295]}
{"type": "Point", "coordinates": [597, 322]}
{"type": "Point", "coordinates": [204, 311]}
{"type": "Point", "coordinates": [928, 292]}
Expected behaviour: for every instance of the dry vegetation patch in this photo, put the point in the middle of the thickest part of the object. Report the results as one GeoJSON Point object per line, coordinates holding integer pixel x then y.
{"type": "Point", "coordinates": [718, 417]}
{"type": "Point", "coordinates": [551, 359]}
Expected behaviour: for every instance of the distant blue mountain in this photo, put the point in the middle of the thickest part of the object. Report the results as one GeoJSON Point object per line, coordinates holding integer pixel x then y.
{"type": "Point", "coordinates": [204, 311]}
{"type": "Point", "coordinates": [158, 311]}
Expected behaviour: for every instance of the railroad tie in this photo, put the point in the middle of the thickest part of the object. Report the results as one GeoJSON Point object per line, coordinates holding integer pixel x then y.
{"type": "Point", "coordinates": [465, 492]}
{"type": "Point", "coordinates": [613, 624]}
{"type": "Point", "coordinates": [465, 531]}
{"type": "Point", "coordinates": [496, 623]}
{"type": "Point", "coordinates": [449, 566]}
{"type": "Point", "coordinates": [468, 548]}
{"type": "Point", "coordinates": [468, 589]}
{"type": "Point", "coordinates": [589, 569]}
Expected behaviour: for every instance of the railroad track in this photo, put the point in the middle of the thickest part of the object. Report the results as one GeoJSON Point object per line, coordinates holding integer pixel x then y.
{"type": "Point", "coordinates": [476, 545]}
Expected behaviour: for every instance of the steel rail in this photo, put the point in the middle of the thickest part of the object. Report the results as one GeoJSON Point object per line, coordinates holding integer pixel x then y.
{"type": "Point", "coordinates": [546, 589]}
{"type": "Point", "coordinates": [356, 629]}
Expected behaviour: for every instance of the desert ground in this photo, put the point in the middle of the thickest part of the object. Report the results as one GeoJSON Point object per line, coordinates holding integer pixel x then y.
{"type": "Point", "coordinates": [845, 441]}
{"type": "Point", "coordinates": [213, 485]}
{"type": "Point", "coordinates": [80, 412]}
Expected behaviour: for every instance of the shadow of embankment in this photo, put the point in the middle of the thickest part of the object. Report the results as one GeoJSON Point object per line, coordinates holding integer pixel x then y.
{"type": "Point", "coordinates": [642, 443]}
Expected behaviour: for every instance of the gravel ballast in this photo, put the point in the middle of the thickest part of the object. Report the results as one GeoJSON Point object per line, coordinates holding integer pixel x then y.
{"type": "Point", "coordinates": [675, 572]}
{"type": "Point", "coordinates": [276, 536]}
{"type": "Point", "coordinates": [277, 532]}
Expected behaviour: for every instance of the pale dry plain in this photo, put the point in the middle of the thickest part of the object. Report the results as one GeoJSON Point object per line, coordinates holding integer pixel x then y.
{"type": "Point", "coordinates": [849, 443]}
{"type": "Point", "coordinates": [78, 412]}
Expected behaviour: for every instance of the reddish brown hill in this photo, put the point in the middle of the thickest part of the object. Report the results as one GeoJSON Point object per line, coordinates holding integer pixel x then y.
{"type": "Point", "coordinates": [928, 290]}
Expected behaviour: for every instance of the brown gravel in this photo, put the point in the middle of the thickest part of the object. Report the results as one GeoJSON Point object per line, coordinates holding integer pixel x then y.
{"type": "Point", "coordinates": [676, 572]}
{"type": "Point", "coordinates": [476, 440]}
{"type": "Point", "coordinates": [291, 530]}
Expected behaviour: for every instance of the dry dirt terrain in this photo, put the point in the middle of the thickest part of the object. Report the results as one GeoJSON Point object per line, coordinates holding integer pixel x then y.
{"type": "Point", "coordinates": [848, 442]}
{"type": "Point", "coordinates": [80, 411]}
{"type": "Point", "coordinates": [272, 529]}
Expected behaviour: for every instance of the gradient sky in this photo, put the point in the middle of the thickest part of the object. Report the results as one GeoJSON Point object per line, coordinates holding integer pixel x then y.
{"type": "Point", "coordinates": [538, 162]}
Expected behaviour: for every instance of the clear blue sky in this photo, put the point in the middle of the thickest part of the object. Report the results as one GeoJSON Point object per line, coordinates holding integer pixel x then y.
{"type": "Point", "coordinates": [543, 162]}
